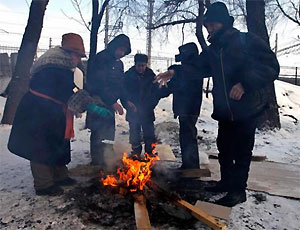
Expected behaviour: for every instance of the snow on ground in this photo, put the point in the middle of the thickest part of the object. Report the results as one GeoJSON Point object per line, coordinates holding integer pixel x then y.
{"type": "Point", "coordinates": [21, 209]}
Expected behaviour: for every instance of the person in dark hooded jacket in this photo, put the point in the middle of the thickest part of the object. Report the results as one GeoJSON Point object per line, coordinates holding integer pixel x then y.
{"type": "Point", "coordinates": [241, 65]}
{"type": "Point", "coordinates": [139, 100]}
{"type": "Point", "coordinates": [187, 97]}
{"type": "Point", "coordinates": [105, 81]}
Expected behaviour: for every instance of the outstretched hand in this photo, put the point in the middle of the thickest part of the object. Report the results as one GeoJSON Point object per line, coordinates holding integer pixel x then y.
{"type": "Point", "coordinates": [118, 108]}
{"type": "Point", "coordinates": [237, 92]}
{"type": "Point", "coordinates": [132, 106]}
{"type": "Point", "coordinates": [164, 77]}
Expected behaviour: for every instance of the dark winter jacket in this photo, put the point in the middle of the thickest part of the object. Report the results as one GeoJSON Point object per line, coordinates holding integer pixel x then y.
{"type": "Point", "coordinates": [140, 90]}
{"type": "Point", "coordinates": [39, 125]}
{"type": "Point", "coordinates": [234, 57]}
{"type": "Point", "coordinates": [105, 77]}
{"type": "Point", "coordinates": [186, 87]}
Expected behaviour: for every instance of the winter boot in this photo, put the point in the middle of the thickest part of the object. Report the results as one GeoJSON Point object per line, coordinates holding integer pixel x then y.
{"type": "Point", "coordinates": [232, 198]}
{"type": "Point", "coordinates": [136, 151]}
{"type": "Point", "coordinates": [53, 190]}
{"type": "Point", "coordinates": [220, 186]}
{"type": "Point", "coordinates": [66, 182]}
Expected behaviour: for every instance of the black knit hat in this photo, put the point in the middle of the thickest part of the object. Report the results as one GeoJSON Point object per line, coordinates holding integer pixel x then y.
{"type": "Point", "coordinates": [186, 52]}
{"type": "Point", "coordinates": [141, 58]}
{"type": "Point", "coordinates": [218, 12]}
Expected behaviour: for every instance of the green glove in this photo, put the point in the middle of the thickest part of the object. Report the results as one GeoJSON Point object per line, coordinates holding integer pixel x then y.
{"type": "Point", "coordinates": [99, 110]}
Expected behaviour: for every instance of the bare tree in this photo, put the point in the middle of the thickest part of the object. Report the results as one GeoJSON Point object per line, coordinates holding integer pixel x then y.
{"type": "Point", "coordinates": [21, 76]}
{"type": "Point", "coordinates": [290, 9]}
{"type": "Point", "coordinates": [256, 24]}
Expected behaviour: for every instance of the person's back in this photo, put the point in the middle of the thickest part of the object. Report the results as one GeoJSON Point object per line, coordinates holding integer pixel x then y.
{"type": "Point", "coordinates": [186, 87]}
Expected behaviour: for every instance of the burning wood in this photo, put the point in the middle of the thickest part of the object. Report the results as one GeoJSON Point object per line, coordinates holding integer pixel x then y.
{"type": "Point", "coordinates": [196, 212]}
{"type": "Point", "coordinates": [134, 174]}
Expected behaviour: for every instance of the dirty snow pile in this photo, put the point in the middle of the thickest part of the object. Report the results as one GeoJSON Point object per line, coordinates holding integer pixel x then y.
{"type": "Point", "coordinates": [21, 209]}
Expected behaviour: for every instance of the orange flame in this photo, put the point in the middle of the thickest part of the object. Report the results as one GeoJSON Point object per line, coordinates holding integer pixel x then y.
{"type": "Point", "coordinates": [134, 174]}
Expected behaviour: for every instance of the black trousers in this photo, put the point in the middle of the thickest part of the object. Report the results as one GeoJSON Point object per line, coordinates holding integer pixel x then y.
{"type": "Point", "coordinates": [135, 137]}
{"type": "Point", "coordinates": [188, 141]}
{"type": "Point", "coordinates": [235, 143]}
{"type": "Point", "coordinates": [97, 147]}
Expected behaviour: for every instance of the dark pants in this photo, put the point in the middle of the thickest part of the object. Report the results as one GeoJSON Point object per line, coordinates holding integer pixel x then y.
{"type": "Point", "coordinates": [97, 147]}
{"type": "Point", "coordinates": [45, 176]}
{"type": "Point", "coordinates": [235, 143]}
{"type": "Point", "coordinates": [135, 138]}
{"type": "Point", "coordinates": [188, 141]}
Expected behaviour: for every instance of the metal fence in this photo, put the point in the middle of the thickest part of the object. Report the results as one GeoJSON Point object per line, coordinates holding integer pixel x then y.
{"type": "Point", "coordinates": [290, 74]}
{"type": "Point", "coordinates": [158, 64]}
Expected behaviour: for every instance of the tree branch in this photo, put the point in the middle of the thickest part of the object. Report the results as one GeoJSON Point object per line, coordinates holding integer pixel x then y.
{"type": "Point", "coordinates": [286, 15]}
{"type": "Point", "coordinates": [192, 20]}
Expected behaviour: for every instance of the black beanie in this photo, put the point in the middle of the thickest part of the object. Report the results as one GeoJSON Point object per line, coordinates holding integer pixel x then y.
{"type": "Point", "coordinates": [186, 52]}
{"type": "Point", "coordinates": [218, 12]}
{"type": "Point", "coordinates": [141, 58]}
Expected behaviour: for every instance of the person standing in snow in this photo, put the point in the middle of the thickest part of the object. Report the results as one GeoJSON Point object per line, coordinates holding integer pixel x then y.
{"type": "Point", "coordinates": [105, 82]}
{"type": "Point", "coordinates": [43, 124]}
{"type": "Point", "coordinates": [139, 101]}
{"type": "Point", "coordinates": [187, 98]}
{"type": "Point", "coordinates": [241, 65]}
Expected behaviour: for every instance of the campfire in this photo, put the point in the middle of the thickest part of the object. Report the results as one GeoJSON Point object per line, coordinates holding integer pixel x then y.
{"type": "Point", "coordinates": [135, 172]}
{"type": "Point", "coordinates": [134, 175]}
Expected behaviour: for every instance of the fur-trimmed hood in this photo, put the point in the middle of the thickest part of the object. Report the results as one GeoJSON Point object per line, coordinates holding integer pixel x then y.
{"type": "Point", "coordinates": [54, 57]}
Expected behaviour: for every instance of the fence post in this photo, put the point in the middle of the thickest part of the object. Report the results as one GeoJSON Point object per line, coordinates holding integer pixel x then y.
{"type": "Point", "coordinates": [296, 76]}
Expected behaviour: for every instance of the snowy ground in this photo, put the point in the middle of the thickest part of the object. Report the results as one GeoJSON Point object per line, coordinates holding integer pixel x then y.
{"type": "Point", "coordinates": [21, 209]}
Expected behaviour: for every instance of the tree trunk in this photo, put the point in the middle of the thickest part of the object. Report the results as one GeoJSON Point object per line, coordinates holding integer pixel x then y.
{"type": "Point", "coordinates": [96, 21]}
{"type": "Point", "coordinates": [21, 76]}
{"type": "Point", "coordinates": [199, 25]}
{"type": "Point", "coordinates": [256, 24]}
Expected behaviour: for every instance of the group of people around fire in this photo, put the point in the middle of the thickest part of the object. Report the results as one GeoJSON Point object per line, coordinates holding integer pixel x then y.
{"type": "Point", "coordinates": [240, 64]}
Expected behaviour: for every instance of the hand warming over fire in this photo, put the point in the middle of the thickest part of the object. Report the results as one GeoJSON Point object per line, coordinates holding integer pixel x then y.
{"type": "Point", "coordinates": [132, 106]}
{"type": "Point", "coordinates": [237, 92]}
{"type": "Point", "coordinates": [118, 108]}
{"type": "Point", "coordinates": [164, 77]}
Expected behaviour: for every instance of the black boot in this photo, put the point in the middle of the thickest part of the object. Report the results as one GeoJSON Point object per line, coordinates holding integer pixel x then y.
{"type": "Point", "coordinates": [53, 190]}
{"type": "Point", "coordinates": [66, 182]}
{"type": "Point", "coordinates": [220, 186]}
{"type": "Point", "coordinates": [232, 198]}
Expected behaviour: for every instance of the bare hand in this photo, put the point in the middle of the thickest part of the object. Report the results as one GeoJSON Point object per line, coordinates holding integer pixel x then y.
{"type": "Point", "coordinates": [164, 77]}
{"type": "Point", "coordinates": [237, 92]}
{"type": "Point", "coordinates": [118, 108]}
{"type": "Point", "coordinates": [131, 106]}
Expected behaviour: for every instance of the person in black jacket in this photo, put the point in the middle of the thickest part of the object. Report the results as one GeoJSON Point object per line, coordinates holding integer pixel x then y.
{"type": "Point", "coordinates": [105, 82]}
{"type": "Point", "coordinates": [187, 97]}
{"type": "Point", "coordinates": [241, 65]}
{"type": "Point", "coordinates": [43, 124]}
{"type": "Point", "coordinates": [139, 100]}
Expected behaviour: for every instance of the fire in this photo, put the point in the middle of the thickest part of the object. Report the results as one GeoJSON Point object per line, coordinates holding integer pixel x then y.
{"type": "Point", "coordinates": [134, 174]}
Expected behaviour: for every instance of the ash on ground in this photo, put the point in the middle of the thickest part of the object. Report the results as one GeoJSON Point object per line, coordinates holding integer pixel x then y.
{"type": "Point", "coordinates": [107, 208]}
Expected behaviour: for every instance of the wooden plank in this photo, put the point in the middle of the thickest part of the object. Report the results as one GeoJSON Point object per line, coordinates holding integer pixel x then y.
{"type": "Point", "coordinates": [141, 213]}
{"type": "Point", "coordinates": [194, 173]}
{"type": "Point", "coordinates": [215, 210]}
{"type": "Point", "coordinates": [274, 178]}
{"type": "Point", "coordinates": [254, 157]}
{"type": "Point", "coordinates": [165, 153]}
{"type": "Point", "coordinates": [196, 212]}
{"type": "Point", "coordinates": [201, 215]}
